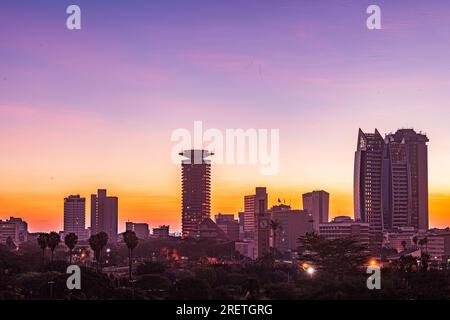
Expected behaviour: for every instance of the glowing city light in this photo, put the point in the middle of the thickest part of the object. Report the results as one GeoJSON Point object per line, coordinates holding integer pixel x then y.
{"type": "Point", "coordinates": [373, 262]}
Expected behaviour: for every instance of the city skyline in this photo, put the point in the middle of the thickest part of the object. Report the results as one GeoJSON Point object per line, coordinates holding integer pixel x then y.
{"type": "Point", "coordinates": [273, 200]}
{"type": "Point", "coordinates": [95, 108]}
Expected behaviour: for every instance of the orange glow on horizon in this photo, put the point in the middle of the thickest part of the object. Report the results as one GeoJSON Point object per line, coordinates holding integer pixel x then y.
{"type": "Point", "coordinates": [44, 211]}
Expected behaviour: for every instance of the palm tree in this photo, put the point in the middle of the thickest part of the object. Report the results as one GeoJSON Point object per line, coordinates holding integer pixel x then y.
{"type": "Point", "coordinates": [10, 243]}
{"type": "Point", "coordinates": [53, 241]}
{"type": "Point", "coordinates": [131, 240]}
{"type": "Point", "coordinates": [71, 241]}
{"type": "Point", "coordinates": [42, 241]}
{"type": "Point", "coordinates": [98, 242]}
{"type": "Point", "coordinates": [424, 242]}
{"type": "Point", "coordinates": [275, 226]}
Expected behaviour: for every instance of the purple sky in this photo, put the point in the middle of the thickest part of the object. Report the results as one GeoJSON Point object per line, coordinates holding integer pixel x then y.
{"type": "Point", "coordinates": [82, 106]}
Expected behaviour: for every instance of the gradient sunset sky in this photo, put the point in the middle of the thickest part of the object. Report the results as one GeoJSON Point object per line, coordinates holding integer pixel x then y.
{"type": "Point", "coordinates": [95, 108]}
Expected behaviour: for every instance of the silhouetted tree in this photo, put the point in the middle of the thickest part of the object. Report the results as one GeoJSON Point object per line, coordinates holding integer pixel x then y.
{"type": "Point", "coordinates": [338, 256]}
{"type": "Point", "coordinates": [415, 239]}
{"type": "Point", "coordinates": [10, 243]}
{"type": "Point", "coordinates": [42, 241]}
{"type": "Point", "coordinates": [407, 263]}
{"type": "Point", "coordinates": [424, 261]}
{"type": "Point", "coordinates": [97, 242]}
{"type": "Point", "coordinates": [71, 241]}
{"type": "Point", "coordinates": [53, 241]}
{"type": "Point", "coordinates": [423, 242]}
{"type": "Point", "coordinates": [131, 241]}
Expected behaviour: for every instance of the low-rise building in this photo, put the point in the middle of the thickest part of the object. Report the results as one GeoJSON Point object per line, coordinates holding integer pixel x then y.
{"type": "Point", "coordinates": [400, 239]}
{"type": "Point", "coordinates": [436, 242]}
{"type": "Point", "coordinates": [345, 227]}
{"type": "Point", "coordinates": [229, 225]}
{"type": "Point", "coordinates": [14, 228]}
{"type": "Point", "coordinates": [245, 248]}
{"type": "Point", "coordinates": [208, 230]}
{"type": "Point", "coordinates": [161, 232]}
{"type": "Point", "coordinates": [141, 229]}
{"type": "Point", "coordinates": [291, 224]}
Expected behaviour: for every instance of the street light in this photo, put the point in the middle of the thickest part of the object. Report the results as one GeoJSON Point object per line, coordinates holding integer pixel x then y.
{"type": "Point", "coordinates": [310, 271]}
{"type": "Point", "coordinates": [373, 262]}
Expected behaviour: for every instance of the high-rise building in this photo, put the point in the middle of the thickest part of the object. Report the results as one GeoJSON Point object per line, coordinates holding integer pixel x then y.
{"type": "Point", "coordinates": [249, 217]}
{"type": "Point", "coordinates": [140, 229]}
{"type": "Point", "coordinates": [14, 228]}
{"type": "Point", "coordinates": [229, 225]}
{"type": "Point", "coordinates": [391, 181]}
{"type": "Point", "coordinates": [317, 204]}
{"type": "Point", "coordinates": [104, 214]}
{"type": "Point", "coordinates": [75, 216]}
{"type": "Point", "coordinates": [292, 225]}
{"type": "Point", "coordinates": [256, 211]}
{"type": "Point", "coordinates": [405, 174]}
{"type": "Point", "coordinates": [345, 227]}
{"type": "Point", "coordinates": [196, 189]}
{"type": "Point", "coordinates": [367, 185]}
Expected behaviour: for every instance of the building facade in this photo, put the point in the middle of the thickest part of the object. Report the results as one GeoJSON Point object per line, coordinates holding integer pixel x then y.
{"type": "Point", "coordinates": [317, 204]}
{"type": "Point", "coordinates": [104, 214]}
{"type": "Point", "coordinates": [345, 227]}
{"type": "Point", "coordinates": [140, 229]}
{"type": "Point", "coordinates": [406, 174]}
{"type": "Point", "coordinates": [367, 185]}
{"type": "Point", "coordinates": [14, 228]}
{"type": "Point", "coordinates": [161, 232]}
{"type": "Point", "coordinates": [261, 223]}
{"type": "Point", "coordinates": [292, 225]}
{"type": "Point", "coordinates": [229, 225]}
{"type": "Point", "coordinates": [196, 189]}
{"type": "Point", "coordinates": [400, 239]}
{"type": "Point", "coordinates": [75, 216]}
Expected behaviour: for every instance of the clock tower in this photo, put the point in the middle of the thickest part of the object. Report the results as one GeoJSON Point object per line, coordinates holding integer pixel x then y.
{"type": "Point", "coordinates": [262, 225]}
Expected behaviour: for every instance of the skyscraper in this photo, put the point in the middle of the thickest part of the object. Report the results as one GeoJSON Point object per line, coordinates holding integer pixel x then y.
{"type": "Point", "coordinates": [104, 214]}
{"type": "Point", "coordinates": [391, 181]}
{"type": "Point", "coordinates": [196, 189]}
{"type": "Point", "coordinates": [75, 216]}
{"type": "Point", "coordinates": [367, 184]}
{"type": "Point", "coordinates": [317, 204]}
{"type": "Point", "coordinates": [405, 175]}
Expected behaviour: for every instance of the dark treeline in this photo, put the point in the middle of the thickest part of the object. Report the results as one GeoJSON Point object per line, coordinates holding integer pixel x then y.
{"type": "Point", "coordinates": [160, 272]}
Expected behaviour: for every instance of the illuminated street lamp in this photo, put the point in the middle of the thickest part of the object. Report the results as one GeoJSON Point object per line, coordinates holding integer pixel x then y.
{"type": "Point", "coordinates": [373, 262]}
{"type": "Point", "coordinates": [310, 271]}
